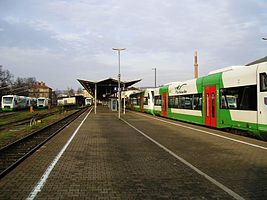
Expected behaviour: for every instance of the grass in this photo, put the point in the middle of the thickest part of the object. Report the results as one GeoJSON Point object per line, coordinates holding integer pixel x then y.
{"type": "Point", "coordinates": [14, 133]}
{"type": "Point", "coordinates": [20, 115]}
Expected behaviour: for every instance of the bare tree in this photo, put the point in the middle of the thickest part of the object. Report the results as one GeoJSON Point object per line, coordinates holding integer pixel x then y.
{"type": "Point", "coordinates": [22, 85]}
{"type": "Point", "coordinates": [5, 81]}
{"type": "Point", "coordinates": [79, 90]}
{"type": "Point", "coordinates": [71, 92]}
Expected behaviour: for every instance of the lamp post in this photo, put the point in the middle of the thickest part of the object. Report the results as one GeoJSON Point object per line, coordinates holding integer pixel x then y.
{"type": "Point", "coordinates": [155, 76]}
{"type": "Point", "coordinates": [119, 78]}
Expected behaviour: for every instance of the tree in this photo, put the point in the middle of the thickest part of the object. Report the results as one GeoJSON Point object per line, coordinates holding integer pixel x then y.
{"type": "Point", "coordinates": [5, 81]}
{"type": "Point", "coordinates": [22, 85]}
{"type": "Point", "coordinates": [79, 90]}
{"type": "Point", "coordinates": [71, 92]}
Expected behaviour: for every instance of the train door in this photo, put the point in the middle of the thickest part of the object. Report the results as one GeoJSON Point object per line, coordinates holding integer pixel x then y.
{"type": "Point", "coordinates": [210, 106]}
{"type": "Point", "coordinates": [164, 104]}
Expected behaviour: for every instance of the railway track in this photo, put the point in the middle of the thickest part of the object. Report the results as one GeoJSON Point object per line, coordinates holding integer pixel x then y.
{"type": "Point", "coordinates": [26, 120]}
{"type": "Point", "coordinates": [4, 114]}
{"type": "Point", "coordinates": [14, 153]}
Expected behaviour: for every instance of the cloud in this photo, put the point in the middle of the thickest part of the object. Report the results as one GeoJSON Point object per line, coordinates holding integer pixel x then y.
{"type": "Point", "coordinates": [78, 36]}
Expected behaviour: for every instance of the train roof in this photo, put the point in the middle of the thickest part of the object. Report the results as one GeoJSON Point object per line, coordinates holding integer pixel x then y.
{"type": "Point", "coordinates": [225, 69]}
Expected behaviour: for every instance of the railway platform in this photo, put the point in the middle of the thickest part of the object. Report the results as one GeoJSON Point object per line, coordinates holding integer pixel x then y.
{"type": "Point", "coordinates": [140, 156]}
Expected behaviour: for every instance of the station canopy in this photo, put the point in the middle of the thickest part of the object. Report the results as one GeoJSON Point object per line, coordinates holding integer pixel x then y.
{"type": "Point", "coordinates": [105, 88]}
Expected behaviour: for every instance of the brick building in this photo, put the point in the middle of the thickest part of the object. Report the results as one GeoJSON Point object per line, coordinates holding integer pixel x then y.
{"type": "Point", "coordinates": [40, 89]}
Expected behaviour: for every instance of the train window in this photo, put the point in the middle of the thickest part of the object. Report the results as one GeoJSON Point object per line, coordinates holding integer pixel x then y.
{"type": "Point", "coordinates": [207, 105]}
{"type": "Point", "coordinates": [223, 102]}
{"type": "Point", "coordinates": [197, 102]}
{"type": "Point", "coordinates": [177, 102]}
{"type": "Point", "coordinates": [145, 101]}
{"type": "Point", "coordinates": [263, 82]}
{"type": "Point", "coordinates": [191, 102]}
{"type": "Point", "coordinates": [7, 99]}
{"type": "Point", "coordinates": [170, 102]}
{"type": "Point", "coordinates": [186, 101]}
{"type": "Point", "coordinates": [152, 94]}
{"type": "Point", "coordinates": [134, 101]}
{"type": "Point", "coordinates": [157, 100]}
{"type": "Point", "coordinates": [239, 98]}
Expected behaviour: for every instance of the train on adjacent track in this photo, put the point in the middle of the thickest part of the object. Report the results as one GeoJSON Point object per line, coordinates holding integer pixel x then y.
{"type": "Point", "coordinates": [74, 101]}
{"type": "Point", "coordinates": [43, 102]}
{"type": "Point", "coordinates": [15, 102]}
{"type": "Point", "coordinates": [230, 98]}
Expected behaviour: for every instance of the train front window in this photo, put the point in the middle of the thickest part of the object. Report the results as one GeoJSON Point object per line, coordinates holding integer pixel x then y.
{"type": "Point", "coordinates": [7, 100]}
{"type": "Point", "coordinates": [41, 101]}
{"type": "Point", "coordinates": [263, 82]}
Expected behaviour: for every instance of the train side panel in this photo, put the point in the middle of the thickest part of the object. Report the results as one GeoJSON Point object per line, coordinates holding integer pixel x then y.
{"type": "Point", "coordinates": [185, 102]}
{"type": "Point", "coordinates": [238, 99]}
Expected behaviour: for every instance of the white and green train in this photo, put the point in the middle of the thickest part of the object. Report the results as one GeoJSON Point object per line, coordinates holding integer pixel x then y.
{"type": "Point", "coordinates": [15, 102]}
{"type": "Point", "coordinates": [233, 97]}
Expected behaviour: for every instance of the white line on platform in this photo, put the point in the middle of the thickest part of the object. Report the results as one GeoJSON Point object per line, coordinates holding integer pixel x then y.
{"type": "Point", "coordinates": [38, 187]}
{"type": "Point", "coordinates": [218, 184]}
{"type": "Point", "coordinates": [199, 130]}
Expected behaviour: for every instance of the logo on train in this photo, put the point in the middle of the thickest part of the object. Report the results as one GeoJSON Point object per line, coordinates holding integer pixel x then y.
{"type": "Point", "coordinates": [179, 89]}
{"type": "Point", "coordinates": [265, 100]}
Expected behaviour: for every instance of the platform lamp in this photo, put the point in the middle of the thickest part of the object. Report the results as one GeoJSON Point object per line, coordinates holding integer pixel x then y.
{"type": "Point", "coordinates": [119, 79]}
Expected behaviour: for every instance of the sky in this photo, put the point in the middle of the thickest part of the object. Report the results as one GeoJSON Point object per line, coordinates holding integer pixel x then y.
{"type": "Point", "coordinates": [60, 41]}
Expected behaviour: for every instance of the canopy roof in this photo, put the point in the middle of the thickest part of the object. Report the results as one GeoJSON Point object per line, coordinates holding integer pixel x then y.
{"type": "Point", "coordinates": [264, 59]}
{"type": "Point", "coordinates": [105, 87]}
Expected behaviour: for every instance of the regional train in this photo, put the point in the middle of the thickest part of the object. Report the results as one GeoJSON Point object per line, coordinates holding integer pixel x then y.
{"type": "Point", "coordinates": [88, 101]}
{"type": "Point", "coordinates": [15, 102]}
{"type": "Point", "coordinates": [230, 98]}
{"type": "Point", "coordinates": [43, 102]}
{"type": "Point", "coordinates": [74, 101]}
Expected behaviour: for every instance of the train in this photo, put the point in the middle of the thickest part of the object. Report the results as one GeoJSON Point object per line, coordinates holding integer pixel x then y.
{"type": "Point", "coordinates": [88, 101]}
{"type": "Point", "coordinates": [43, 102]}
{"type": "Point", "coordinates": [71, 101]}
{"type": "Point", "coordinates": [15, 102]}
{"type": "Point", "coordinates": [230, 98]}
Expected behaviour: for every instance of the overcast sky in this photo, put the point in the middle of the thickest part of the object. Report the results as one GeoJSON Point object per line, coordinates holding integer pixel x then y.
{"type": "Point", "coordinates": [60, 41]}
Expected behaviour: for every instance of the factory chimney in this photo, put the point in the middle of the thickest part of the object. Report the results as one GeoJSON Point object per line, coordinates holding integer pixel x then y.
{"type": "Point", "coordinates": [195, 65]}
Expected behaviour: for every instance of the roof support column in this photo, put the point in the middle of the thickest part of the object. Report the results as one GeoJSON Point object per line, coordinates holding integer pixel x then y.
{"type": "Point", "coordinates": [95, 96]}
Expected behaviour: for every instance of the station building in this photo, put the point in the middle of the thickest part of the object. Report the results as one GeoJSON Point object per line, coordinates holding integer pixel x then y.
{"type": "Point", "coordinates": [40, 89]}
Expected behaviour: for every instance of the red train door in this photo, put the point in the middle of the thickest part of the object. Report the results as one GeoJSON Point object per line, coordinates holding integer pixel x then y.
{"type": "Point", "coordinates": [210, 106]}
{"type": "Point", "coordinates": [164, 105]}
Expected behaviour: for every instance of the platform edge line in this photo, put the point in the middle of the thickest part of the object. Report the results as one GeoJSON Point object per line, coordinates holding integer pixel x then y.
{"type": "Point", "coordinates": [40, 184]}
{"type": "Point", "coordinates": [212, 180]}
